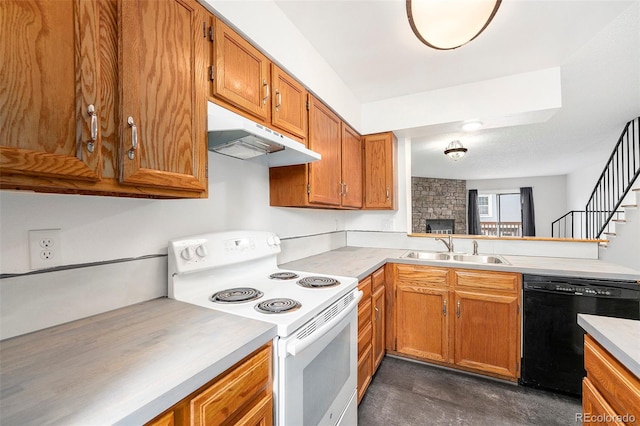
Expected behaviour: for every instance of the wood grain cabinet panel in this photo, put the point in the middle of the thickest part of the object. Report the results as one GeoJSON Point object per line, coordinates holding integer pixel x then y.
{"type": "Point", "coordinates": [77, 70]}
{"type": "Point", "coordinates": [50, 78]}
{"type": "Point", "coordinates": [460, 318]}
{"type": "Point", "coordinates": [595, 408]}
{"type": "Point", "coordinates": [378, 318]}
{"type": "Point", "coordinates": [241, 73]}
{"type": "Point", "coordinates": [163, 101]}
{"type": "Point", "coordinates": [422, 320]}
{"type": "Point", "coordinates": [351, 168]}
{"type": "Point", "coordinates": [379, 182]}
{"type": "Point", "coordinates": [611, 388]}
{"type": "Point", "coordinates": [486, 332]}
{"type": "Point", "coordinates": [288, 103]}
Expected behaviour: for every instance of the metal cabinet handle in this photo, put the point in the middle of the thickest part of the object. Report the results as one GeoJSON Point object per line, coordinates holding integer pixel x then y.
{"type": "Point", "coordinates": [91, 110]}
{"type": "Point", "coordinates": [134, 138]}
{"type": "Point", "coordinates": [458, 310]}
{"type": "Point", "coordinates": [346, 189]}
{"type": "Point", "coordinates": [444, 309]}
{"type": "Point", "coordinates": [377, 312]}
{"type": "Point", "coordinates": [266, 96]}
{"type": "Point", "coordinates": [278, 99]}
{"type": "Point", "coordinates": [388, 193]}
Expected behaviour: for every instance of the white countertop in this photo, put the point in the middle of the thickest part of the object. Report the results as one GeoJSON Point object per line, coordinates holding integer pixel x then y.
{"type": "Point", "coordinates": [121, 367]}
{"type": "Point", "coordinates": [361, 261]}
{"type": "Point", "coordinates": [621, 337]}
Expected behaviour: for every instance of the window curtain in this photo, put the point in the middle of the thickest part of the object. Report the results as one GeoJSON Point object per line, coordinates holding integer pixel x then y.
{"type": "Point", "coordinates": [473, 214]}
{"type": "Point", "coordinates": [528, 216]}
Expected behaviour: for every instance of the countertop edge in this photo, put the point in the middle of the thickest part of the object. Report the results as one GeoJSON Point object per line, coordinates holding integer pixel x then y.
{"type": "Point", "coordinates": [590, 324]}
{"type": "Point", "coordinates": [191, 384]}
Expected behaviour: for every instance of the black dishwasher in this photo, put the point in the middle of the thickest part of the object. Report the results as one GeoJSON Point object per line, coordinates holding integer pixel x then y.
{"type": "Point", "coordinates": [552, 356]}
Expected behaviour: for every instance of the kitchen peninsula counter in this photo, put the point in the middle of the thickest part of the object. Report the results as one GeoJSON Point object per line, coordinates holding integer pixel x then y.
{"type": "Point", "coordinates": [121, 367]}
{"type": "Point", "coordinates": [361, 261]}
{"type": "Point", "coordinates": [621, 337]}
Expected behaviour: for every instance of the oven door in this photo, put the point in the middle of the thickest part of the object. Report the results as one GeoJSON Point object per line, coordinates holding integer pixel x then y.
{"type": "Point", "coordinates": [317, 376]}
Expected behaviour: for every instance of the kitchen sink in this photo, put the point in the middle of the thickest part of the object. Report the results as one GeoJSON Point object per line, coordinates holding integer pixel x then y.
{"type": "Point", "coordinates": [478, 258]}
{"type": "Point", "coordinates": [427, 255]}
{"type": "Point", "coordinates": [455, 257]}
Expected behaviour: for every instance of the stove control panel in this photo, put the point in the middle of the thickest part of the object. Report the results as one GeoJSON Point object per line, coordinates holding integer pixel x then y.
{"type": "Point", "coordinates": [218, 249]}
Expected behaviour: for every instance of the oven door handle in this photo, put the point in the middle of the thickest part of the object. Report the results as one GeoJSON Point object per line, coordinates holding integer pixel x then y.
{"type": "Point", "coordinates": [295, 346]}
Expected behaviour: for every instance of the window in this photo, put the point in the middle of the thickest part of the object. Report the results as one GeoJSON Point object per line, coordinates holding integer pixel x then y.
{"type": "Point", "coordinates": [484, 205]}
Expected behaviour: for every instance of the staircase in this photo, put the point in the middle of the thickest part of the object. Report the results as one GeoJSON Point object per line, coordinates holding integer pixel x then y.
{"type": "Point", "coordinates": [612, 211]}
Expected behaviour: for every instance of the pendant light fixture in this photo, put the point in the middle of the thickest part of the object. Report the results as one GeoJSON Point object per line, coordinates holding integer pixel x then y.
{"type": "Point", "coordinates": [449, 24]}
{"type": "Point", "coordinates": [455, 150]}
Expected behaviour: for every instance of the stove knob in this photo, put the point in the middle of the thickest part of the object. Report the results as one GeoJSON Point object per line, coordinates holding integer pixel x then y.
{"type": "Point", "coordinates": [187, 253]}
{"type": "Point", "coordinates": [201, 250]}
{"type": "Point", "coordinates": [270, 240]}
{"type": "Point", "coordinates": [277, 240]}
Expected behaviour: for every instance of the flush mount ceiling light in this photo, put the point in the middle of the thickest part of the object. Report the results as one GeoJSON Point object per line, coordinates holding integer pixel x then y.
{"type": "Point", "coordinates": [449, 24]}
{"type": "Point", "coordinates": [472, 125]}
{"type": "Point", "coordinates": [455, 150]}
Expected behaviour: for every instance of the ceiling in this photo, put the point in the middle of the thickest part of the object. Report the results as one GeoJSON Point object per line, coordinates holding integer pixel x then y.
{"type": "Point", "coordinates": [596, 44]}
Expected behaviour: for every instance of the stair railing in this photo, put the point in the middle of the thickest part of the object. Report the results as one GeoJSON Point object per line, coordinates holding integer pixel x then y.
{"type": "Point", "coordinates": [615, 182]}
{"type": "Point", "coordinates": [570, 225]}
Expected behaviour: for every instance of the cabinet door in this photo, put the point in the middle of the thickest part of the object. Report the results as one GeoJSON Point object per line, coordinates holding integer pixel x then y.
{"type": "Point", "coordinates": [50, 79]}
{"type": "Point", "coordinates": [378, 315]}
{"type": "Point", "coordinates": [422, 321]}
{"type": "Point", "coordinates": [595, 407]}
{"type": "Point", "coordinates": [162, 77]}
{"type": "Point", "coordinates": [289, 103]}
{"type": "Point", "coordinates": [486, 332]}
{"type": "Point", "coordinates": [364, 372]}
{"type": "Point", "coordinates": [241, 72]}
{"type": "Point", "coordinates": [378, 171]}
{"type": "Point", "coordinates": [324, 138]}
{"type": "Point", "coordinates": [351, 167]}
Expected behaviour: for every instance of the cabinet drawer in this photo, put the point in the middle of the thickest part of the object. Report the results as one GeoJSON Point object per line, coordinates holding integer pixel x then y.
{"type": "Point", "coordinates": [619, 386]}
{"type": "Point", "coordinates": [364, 313]}
{"type": "Point", "coordinates": [229, 395]}
{"type": "Point", "coordinates": [378, 279]}
{"type": "Point", "coordinates": [365, 287]}
{"type": "Point", "coordinates": [422, 275]}
{"type": "Point", "coordinates": [364, 338]}
{"type": "Point", "coordinates": [487, 280]}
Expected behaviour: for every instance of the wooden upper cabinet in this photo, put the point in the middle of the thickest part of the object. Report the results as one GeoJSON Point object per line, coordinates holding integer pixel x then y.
{"type": "Point", "coordinates": [351, 168]}
{"type": "Point", "coordinates": [50, 82]}
{"type": "Point", "coordinates": [162, 94]}
{"type": "Point", "coordinates": [379, 183]}
{"type": "Point", "coordinates": [241, 73]}
{"type": "Point", "coordinates": [324, 137]}
{"type": "Point", "coordinates": [288, 103]}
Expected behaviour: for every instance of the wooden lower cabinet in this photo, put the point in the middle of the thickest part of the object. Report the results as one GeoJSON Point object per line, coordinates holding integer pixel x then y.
{"type": "Point", "coordinates": [422, 322]}
{"type": "Point", "coordinates": [610, 392]}
{"type": "Point", "coordinates": [459, 318]}
{"type": "Point", "coordinates": [486, 333]}
{"type": "Point", "coordinates": [371, 328]}
{"type": "Point", "coordinates": [243, 395]}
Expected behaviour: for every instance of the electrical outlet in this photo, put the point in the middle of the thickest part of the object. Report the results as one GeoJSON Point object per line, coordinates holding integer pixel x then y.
{"type": "Point", "coordinates": [45, 248]}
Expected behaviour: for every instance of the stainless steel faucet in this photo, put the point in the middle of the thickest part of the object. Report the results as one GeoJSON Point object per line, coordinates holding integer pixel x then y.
{"type": "Point", "coordinates": [449, 244]}
{"type": "Point", "coordinates": [475, 247]}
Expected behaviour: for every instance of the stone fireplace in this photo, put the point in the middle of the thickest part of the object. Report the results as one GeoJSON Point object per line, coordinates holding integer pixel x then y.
{"type": "Point", "coordinates": [438, 200]}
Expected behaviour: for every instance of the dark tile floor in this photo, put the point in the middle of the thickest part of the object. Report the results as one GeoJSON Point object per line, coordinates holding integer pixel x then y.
{"type": "Point", "coordinates": [405, 393]}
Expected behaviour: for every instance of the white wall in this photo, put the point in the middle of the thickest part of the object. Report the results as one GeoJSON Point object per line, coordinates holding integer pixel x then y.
{"type": "Point", "coordinates": [549, 196]}
{"type": "Point", "coordinates": [105, 228]}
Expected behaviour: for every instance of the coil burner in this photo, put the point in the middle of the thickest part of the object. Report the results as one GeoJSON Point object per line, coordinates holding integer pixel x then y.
{"type": "Point", "coordinates": [318, 282]}
{"type": "Point", "coordinates": [278, 306]}
{"type": "Point", "coordinates": [284, 276]}
{"type": "Point", "coordinates": [236, 295]}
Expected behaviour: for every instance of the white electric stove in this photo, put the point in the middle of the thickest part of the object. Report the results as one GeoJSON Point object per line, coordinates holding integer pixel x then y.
{"type": "Point", "coordinates": [315, 353]}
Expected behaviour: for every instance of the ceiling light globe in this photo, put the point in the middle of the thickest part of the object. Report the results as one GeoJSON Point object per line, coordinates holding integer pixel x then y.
{"type": "Point", "coordinates": [455, 150]}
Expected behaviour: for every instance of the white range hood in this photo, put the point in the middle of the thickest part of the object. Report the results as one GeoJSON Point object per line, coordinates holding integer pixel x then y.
{"type": "Point", "coordinates": [236, 136]}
